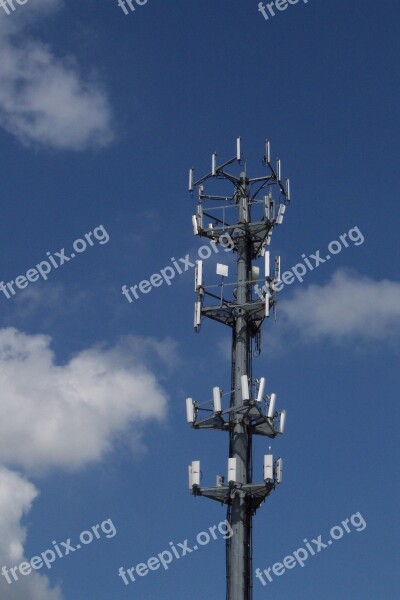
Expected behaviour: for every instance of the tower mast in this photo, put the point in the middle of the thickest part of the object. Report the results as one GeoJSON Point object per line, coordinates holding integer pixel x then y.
{"type": "Point", "coordinates": [247, 221]}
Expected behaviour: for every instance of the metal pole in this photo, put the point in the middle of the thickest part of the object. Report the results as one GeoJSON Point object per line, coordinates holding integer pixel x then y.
{"type": "Point", "coordinates": [239, 545]}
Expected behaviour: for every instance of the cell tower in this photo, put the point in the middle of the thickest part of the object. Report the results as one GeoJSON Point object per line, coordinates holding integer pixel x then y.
{"type": "Point", "coordinates": [247, 218]}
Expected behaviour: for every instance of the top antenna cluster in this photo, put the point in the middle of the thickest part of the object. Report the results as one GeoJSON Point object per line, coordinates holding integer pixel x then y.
{"type": "Point", "coordinates": [274, 176]}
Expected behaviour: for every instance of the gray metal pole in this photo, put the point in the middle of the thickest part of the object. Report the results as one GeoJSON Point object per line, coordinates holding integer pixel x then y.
{"type": "Point", "coordinates": [238, 549]}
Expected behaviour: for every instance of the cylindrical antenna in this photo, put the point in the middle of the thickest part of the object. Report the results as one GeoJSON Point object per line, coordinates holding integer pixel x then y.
{"type": "Point", "coordinates": [267, 152]}
{"type": "Point", "coordinates": [198, 275]}
{"type": "Point", "coordinates": [277, 269]}
{"type": "Point", "coordinates": [279, 469]}
{"type": "Point", "coordinates": [231, 470]}
{"type": "Point", "coordinates": [282, 423]}
{"type": "Point", "coordinates": [267, 263]}
{"type": "Point", "coordinates": [195, 225]}
{"type": "Point", "coordinates": [190, 477]}
{"type": "Point", "coordinates": [261, 388]}
{"type": "Point", "coordinates": [267, 297]}
{"type": "Point", "coordinates": [287, 189]}
{"type": "Point", "coordinates": [238, 149]}
{"type": "Point", "coordinates": [214, 164]}
{"type": "Point", "coordinates": [245, 388]}
{"type": "Point", "coordinates": [271, 407]}
{"type": "Point", "coordinates": [268, 467]}
{"type": "Point", "coordinates": [189, 410]}
{"type": "Point", "coordinates": [281, 212]}
{"type": "Point", "coordinates": [195, 472]}
{"type": "Point", "coordinates": [278, 169]}
{"type": "Point", "coordinates": [217, 400]}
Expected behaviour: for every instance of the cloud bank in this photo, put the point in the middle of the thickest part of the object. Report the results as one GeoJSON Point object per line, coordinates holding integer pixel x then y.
{"type": "Point", "coordinates": [349, 306]}
{"type": "Point", "coordinates": [66, 416]}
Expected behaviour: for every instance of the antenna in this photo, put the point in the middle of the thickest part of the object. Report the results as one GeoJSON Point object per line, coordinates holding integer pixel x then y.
{"type": "Point", "coordinates": [287, 191]}
{"type": "Point", "coordinates": [238, 151]}
{"type": "Point", "coordinates": [261, 388]}
{"type": "Point", "coordinates": [245, 211]}
{"type": "Point", "coordinates": [278, 169]}
{"type": "Point", "coordinates": [277, 269]}
{"type": "Point", "coordinates": [245, 388]}
{"type": "Point", "coordinates": [195, 226]}
{"type": "Point", "coordinates": [197, 314]}
{"type": "Point", "coordinates": [189, 410]}
{"type": "Point", "coordinates": [214, 164]}
{"type": "Point", "coordinates": [222, 270]}
{"type": "Point", "coordinates": [232, 470]}
{"type": "Point", "coordinates": [195, 473]}
{"type": "Point", "coordinates": [267, 262]}
{"type": "Point", "coordinates": [279, 469]}
{"type": "Point", "coordinates": [267, 157]}
{"type": "Point", "coordinates": [198, 275]}
{"type": "Point", "coordinates": [282, 422]}
{"type": "Point", "coordinates": [281, 212]}
{"type": "Point", "coordinates": [271, 408]}
{"type": "Point", "coordinates": [268, 467]}
{"type": "Point", "coordinates": [267, 299]}
{"type": "Point", "coordinates": [217, 400]}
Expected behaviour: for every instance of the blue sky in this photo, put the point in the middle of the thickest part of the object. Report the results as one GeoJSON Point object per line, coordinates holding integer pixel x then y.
{"type": "Point", "coordinates": [101, 115]}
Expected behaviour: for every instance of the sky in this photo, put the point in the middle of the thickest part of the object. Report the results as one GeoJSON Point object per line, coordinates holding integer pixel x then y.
{"type": "Point", "coordinates": [102, 113]}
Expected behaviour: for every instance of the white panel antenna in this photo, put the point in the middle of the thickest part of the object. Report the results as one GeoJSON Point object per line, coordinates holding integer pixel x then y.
{"type": "Point", "coordinates": [267, 297]}
{"type": "Point", "coordinates": [214, 164]}
{"type": "Point", "coordinates": [195, 225]}
{"type": "Point", "coordinates": [245, 387]}
{"type": "Point", "coordinates": [231, 470]}
{"type": "Point", "coordinates": [267, 262]}
{"type": "Point", "coordinates": [189, 410]}
{"type": "Point", "coordinates": [222, 270]}
{"type": "Point", "coordinates": [277, 269]}
{"type": "Point", "coordinates": [268, 467]}
{"type": "Point", "coordinates": [271, 407]}
{"type": "Point", "coordinates": [278, 169]}
{"type": "Point", "coordinates": [281, 212]}
{"type": "Point", "coordinates": [200, 216]}
{"type": "Point", "coordinates": [217, 400]}
{"type": "Point", "coordinates": [261, 388]}
{"type": "Point", "coordinates": [287, 189]}
{"type": "Point", "coordinates": [190, 180]}
{"type": "Point", "coordinates": [282, 422]}
{"type": "Point", "coordinates": [195, 472]}
{"type": "Point", "coordinates": [279, 469]}
{"type": "Point", "coordinates": [190, 477]}
{"type": "Point", "coordinates": [238, 149]}
{"type": "Point", "coordinates": [267, 152]}
{"type": "Point", "coordinates": [197, 314]}
{"type": "Point", "coordinates": [198, 275]}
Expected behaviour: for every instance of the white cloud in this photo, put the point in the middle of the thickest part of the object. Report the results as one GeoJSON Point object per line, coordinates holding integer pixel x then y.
{"type": "Point", "coordinates": [66, 416]}
{"type": "Point", "coordinates": [44, 100]}
{"type": "Point", "coordinates": [348, 306]}
{"type": "Point", "coordinates": [16, 497]}
{"type": "Point", "coordinates": [69, 415]}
